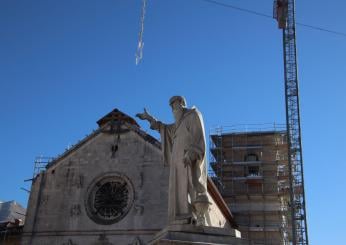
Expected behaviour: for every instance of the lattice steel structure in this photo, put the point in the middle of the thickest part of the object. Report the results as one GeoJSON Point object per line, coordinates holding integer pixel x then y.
{"type": "Point", "coordinates": [285, 14]}
{"type": "Point", "coordinates": [249, 164]}
{"type": "Point", "coordinates": [40, 164]}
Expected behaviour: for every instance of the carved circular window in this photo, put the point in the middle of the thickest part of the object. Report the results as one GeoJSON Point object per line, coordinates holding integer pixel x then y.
{"type": "Point", "coordinates": [109, 198]}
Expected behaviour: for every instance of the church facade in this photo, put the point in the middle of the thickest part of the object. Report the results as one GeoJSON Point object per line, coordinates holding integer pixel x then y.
{"type": "Point", "coordinates": [110, 188]}
{"type": "Point", "coordinates": [71, 202]}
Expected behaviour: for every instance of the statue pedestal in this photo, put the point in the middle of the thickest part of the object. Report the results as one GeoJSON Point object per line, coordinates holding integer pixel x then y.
{"type": "Point", "coordinates": [187, 234]}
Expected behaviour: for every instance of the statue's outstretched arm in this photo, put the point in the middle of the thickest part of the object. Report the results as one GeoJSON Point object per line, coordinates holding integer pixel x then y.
{"type": "Point", "coordinates": [154, 124]}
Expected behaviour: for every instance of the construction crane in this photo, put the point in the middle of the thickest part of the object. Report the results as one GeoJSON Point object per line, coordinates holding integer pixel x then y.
{"type": "Point", "coordinates": [284, 12]}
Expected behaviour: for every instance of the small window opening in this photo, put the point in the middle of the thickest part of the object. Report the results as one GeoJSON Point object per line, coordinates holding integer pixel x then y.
{"type": "Point", "coordinates": [253, 171]}
{"type": "Point", "coordinates": [251, 157]}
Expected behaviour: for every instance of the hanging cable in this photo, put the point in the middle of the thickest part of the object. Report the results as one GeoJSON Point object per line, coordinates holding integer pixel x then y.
{"type": "Point", "coordinates": [140, 46]}
{"type": "Point", "coordinates": [226, 5]}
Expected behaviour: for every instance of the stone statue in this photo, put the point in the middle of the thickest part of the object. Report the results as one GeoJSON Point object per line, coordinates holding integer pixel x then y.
{"type": "Point", "coordinates": [184, 149]}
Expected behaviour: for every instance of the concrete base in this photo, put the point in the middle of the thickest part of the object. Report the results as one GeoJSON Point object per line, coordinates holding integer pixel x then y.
{"type": "Point", "coordinates": [201, 235]}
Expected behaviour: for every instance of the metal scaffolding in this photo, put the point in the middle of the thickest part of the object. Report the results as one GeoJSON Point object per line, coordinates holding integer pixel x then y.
{"type": "Point", "coordinates": [40, 164]}
{"type": "Point", "coordinates": [250, 167]}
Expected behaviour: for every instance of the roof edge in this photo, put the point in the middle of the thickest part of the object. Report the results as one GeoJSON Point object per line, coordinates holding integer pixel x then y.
{"type": "Point", "coordinates": [220, 202]}
{"type": "Point", "coordinates": [147, 137]}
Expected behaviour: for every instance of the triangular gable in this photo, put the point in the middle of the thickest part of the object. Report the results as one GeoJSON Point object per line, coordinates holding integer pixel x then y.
{"type": "Point", "coordinates": [111, 123]}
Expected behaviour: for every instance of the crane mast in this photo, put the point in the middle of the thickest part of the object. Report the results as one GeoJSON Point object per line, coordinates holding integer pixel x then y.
{"type": "Point", "coordinates": [285, 14]}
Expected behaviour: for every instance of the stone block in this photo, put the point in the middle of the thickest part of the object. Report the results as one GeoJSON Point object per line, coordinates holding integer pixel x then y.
{"type": "Point", "coordinates": [201, 235]}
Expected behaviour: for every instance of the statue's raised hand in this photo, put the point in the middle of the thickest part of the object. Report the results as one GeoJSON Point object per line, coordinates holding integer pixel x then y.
{"type": "Point", "coordinates": [144, 116]}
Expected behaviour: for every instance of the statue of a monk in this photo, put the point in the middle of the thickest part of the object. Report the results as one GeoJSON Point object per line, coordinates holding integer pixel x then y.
{"type": "Point", "coordinates": [184, 149]}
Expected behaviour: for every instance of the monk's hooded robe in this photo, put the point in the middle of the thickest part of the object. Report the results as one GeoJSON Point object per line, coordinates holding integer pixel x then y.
{"type": "Point", "coordinates": [184, 138]}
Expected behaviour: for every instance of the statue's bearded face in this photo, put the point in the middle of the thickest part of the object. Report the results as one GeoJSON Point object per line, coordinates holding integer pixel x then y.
{"type": "Point", "coordinates": [177, 110]}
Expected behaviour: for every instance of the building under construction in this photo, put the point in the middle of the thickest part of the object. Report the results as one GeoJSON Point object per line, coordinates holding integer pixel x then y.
{"type": "Point", "coordinates": [251, 170]}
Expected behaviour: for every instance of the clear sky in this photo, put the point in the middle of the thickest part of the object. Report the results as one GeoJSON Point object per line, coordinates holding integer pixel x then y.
{"type": "Point", "coordinates": [64, 64]}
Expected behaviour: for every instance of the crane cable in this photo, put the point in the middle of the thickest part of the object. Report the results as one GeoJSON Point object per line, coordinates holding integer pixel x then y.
{"type": "Point", "coordinates": [268, 16]}
{"type": "Point", "coordinates": [140, 46]}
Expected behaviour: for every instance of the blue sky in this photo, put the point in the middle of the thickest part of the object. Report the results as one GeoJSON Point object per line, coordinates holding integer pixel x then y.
{"type": "Point", "coordinates": [64, 64]}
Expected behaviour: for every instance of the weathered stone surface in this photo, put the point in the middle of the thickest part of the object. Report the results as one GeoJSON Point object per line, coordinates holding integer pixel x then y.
{"type": "Point", "coordinates": [190, 234]}
{"type": "Point", "coordinates": [57, 204]}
